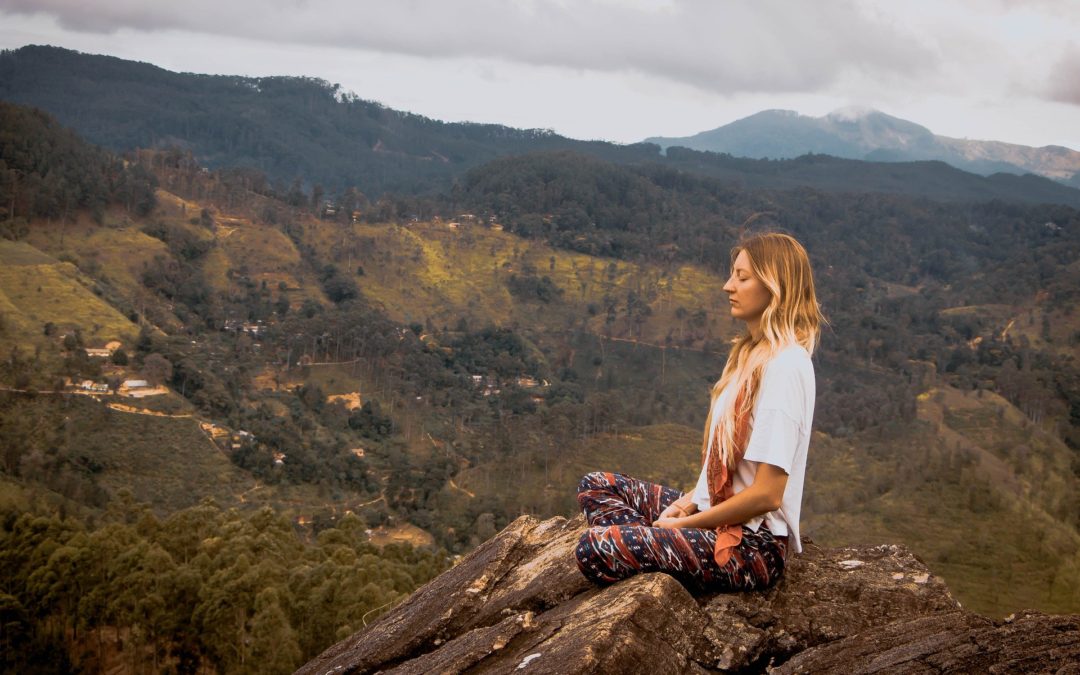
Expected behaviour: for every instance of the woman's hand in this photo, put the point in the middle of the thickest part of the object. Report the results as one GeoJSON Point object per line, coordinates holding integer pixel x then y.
{"type": "Point", "coordinates": [671, 516]}
{"type": "Point", "coordinates": [667, 523]}
{"type": "Point", "coordinates": [673, 511]}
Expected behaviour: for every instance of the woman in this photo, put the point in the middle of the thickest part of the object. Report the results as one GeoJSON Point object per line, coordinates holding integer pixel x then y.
{"type": "Point", "coordinates": [735, 529]}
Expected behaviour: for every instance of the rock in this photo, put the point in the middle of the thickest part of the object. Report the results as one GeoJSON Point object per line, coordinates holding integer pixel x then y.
{"type": "Point", "coordinates": [518, 604]}
{"type": "Point", "coordinates": [820, 598]}
{"type": "Point", "coordinates": [529, 566]}
{"type": "Point", "coordinates": [638, 626]}
{"type": "Point", "coordinates": [954, 642]}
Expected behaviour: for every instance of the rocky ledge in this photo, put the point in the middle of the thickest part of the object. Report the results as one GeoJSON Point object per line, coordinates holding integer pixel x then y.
{"type": "Point", "coordinates": [518, 604]}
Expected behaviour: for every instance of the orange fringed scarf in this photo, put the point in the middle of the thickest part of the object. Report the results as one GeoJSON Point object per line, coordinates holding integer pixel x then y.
{"type": "Point", "coordinates": [721, 480]}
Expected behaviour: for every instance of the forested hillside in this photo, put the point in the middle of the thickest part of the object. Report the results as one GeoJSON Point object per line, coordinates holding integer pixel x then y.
{"type": "Point", "coordinates": [336, 371]}
{"type": "Point", "coordinates": [931, 179]}
{"type": "Point", "coordinates": [288, 127]}
{"type": "Point", "coordinates": [47, 171]}
{"type": "Point", "coordinates": [311, 136]}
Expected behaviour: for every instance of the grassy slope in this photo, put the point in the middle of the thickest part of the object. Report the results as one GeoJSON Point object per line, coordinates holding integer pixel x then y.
{"type": "Point", "coordinates": [160, 459]}
{"type": "Point", "coordinates": [977, 523]}
{"type": "Point", "coordinates": [664, 453]}
{"type": "Point", "coordinates": [36, 289]}
{"type": "Point", "coordinates": [166, 462]}
{"type": "Point", "coordinates": [427, 271]}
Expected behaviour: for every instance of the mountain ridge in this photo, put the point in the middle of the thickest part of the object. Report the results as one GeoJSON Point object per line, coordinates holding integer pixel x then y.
{"type": "Point", "coordinates": [231, 120]}
{"type": "Point", "coordinates": [868, 134]}
{"type": "Point", "coordinates": [308, 132]}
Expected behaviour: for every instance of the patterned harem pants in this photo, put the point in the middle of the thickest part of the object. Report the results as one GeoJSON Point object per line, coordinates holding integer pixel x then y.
{"type": "Point", "coordinates": [621, 541]}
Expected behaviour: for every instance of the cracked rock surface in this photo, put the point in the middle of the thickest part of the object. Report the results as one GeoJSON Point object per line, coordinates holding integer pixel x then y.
{"type": "Point", "coordinates": [519, 604]}
{"type": "Point", "coordinates": [954, 642]}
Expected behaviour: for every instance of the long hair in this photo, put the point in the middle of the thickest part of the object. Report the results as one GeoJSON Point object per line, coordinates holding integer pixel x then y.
{"type": "Point", "coordinates": [793, 316]}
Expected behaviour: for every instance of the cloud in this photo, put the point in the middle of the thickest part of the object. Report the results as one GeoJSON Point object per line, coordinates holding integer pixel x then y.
{"type": "Point", "coordinates": [1064, 82]}
{"type": "Point", "coordinates": [727, 47]}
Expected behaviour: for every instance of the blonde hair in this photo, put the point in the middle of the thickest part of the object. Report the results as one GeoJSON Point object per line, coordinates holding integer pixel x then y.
{"type": "Point", "coordinates": [792, 316]}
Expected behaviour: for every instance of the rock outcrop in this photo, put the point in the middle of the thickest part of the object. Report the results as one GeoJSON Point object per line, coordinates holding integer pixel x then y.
{"type": "Point", "coordinates": [518, 603]}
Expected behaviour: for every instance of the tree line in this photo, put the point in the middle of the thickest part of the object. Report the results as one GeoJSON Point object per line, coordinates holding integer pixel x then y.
{"type": "Point", "coordinates": [47, 171]}
{"type": "Point", "coordinates": [202, 587]}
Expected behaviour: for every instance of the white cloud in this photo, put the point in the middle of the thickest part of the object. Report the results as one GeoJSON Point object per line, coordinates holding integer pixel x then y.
{"type": "Point", "coordinates": [1064, 82]}
{"type": "Point", "coordinates": [724, 47]}
{"type": "Point", "coordinates": [618, 70]}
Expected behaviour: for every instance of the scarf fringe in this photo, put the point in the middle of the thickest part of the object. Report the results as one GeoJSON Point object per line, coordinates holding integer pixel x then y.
{"type": "Point", "coordinates": [721, 480]}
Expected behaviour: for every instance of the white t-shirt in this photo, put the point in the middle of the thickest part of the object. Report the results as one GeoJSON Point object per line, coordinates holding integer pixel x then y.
{"type": "Point", "coordinates": [780, 435]}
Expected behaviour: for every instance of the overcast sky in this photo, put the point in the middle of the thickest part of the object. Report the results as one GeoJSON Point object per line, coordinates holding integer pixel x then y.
{"type": "Point", "coordinates": [619, 70]}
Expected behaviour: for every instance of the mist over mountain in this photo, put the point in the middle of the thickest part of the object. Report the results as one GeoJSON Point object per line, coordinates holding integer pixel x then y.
{"type": "Point", "coordinates": [861, 133]}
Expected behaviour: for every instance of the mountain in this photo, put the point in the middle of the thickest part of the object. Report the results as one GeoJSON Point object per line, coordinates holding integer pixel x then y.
{"type": "Point", "coordinates": [288, 127]}
{"type": "Point", "coordinates": [857, 133]}
{"type": "Point", "coordinates": [305, 132]}
{"type": "Point", "coordinates": [931, 179]}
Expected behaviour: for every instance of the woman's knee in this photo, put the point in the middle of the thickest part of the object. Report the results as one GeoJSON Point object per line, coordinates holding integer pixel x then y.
{"type": "Point", "coordinates": [592, 564]}
{"type": "Point", "coordinates": [584, 548]}
{"type": "Point", "coordinates": [584, 552]}
{"type": "Point", "coordinates": [592, 480]}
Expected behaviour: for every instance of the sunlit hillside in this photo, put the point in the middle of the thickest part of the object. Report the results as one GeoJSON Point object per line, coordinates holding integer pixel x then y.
{"type": "Point", "coordinates": [439, 273]}
{"type": "Point", "coordinates": [37, 289]}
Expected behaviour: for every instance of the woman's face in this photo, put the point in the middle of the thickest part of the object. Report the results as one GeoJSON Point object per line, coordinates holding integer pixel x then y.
{"type": "Point", "coordinates": [747, 296]}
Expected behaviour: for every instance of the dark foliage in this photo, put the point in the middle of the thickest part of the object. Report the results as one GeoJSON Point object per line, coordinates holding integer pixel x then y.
{"type": "Point", "coordinates": [287, 127]}
{"type": "Point", "coordinates": [47, 171]}
{"type": "Point", "coordinates": [337, 285]}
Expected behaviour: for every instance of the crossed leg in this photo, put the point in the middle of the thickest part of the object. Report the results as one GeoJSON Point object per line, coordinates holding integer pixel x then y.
{"type": "Point", "coordinates": [621, 541]}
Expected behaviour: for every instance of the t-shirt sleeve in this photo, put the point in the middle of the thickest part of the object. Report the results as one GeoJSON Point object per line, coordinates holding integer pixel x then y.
{"type": "Point", "coordinates": [779, 415]}
{"type": "Point", "coordinates": [774, 439]}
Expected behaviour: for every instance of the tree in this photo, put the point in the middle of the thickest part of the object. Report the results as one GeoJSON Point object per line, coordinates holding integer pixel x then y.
{"type": "Point", "coordinates": [157, 369]}
{"type": "Point", "coordinates": [337, 285]}
{"type": "Point", "coordinates": [275, 648]}
{"type": "Point", "coordinates": [73, 341]}
{"type": "Point", "coordinates": [15, 631]}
